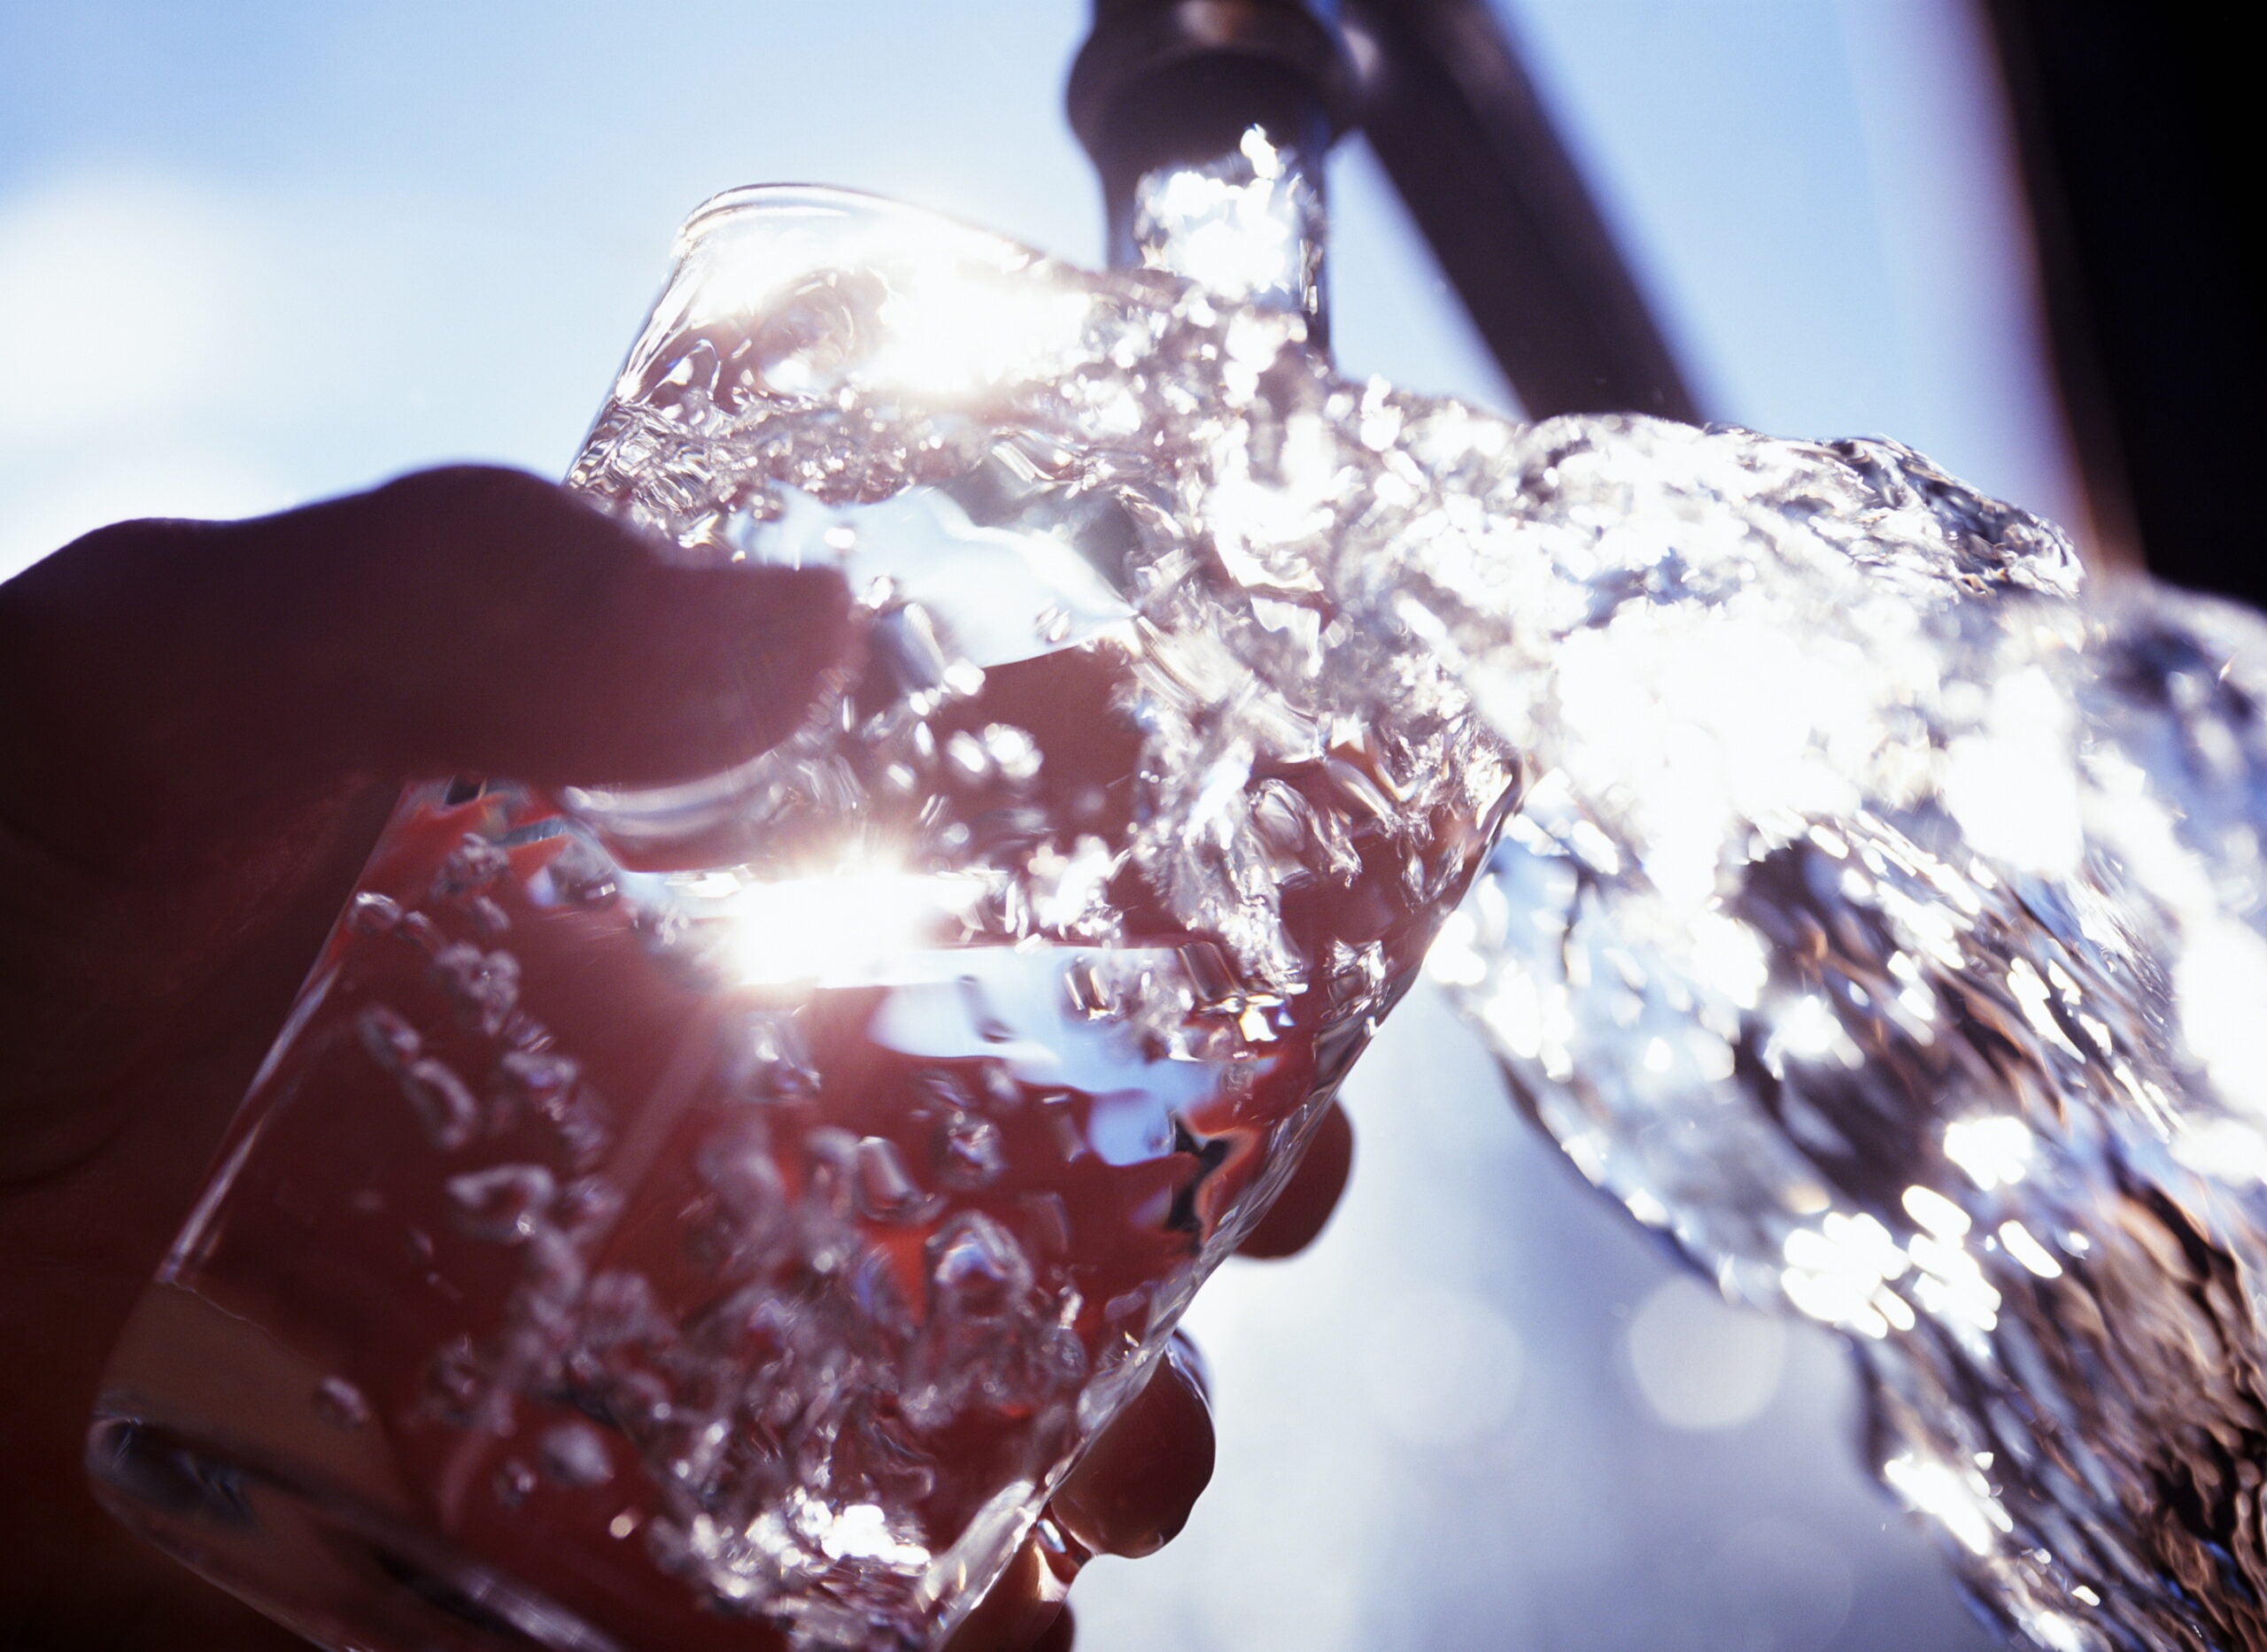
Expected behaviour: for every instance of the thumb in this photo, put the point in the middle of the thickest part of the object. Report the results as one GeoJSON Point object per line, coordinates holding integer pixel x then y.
{"type": "Point", "coordinates": [163, 676]}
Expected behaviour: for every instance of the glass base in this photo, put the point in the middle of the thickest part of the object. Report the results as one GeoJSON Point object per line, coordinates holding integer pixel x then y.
{"type": "Point", "coordinates": [321, 1561]}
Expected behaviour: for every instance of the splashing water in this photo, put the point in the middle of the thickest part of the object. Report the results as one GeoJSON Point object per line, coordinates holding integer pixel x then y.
{"type": "Point", "coordinates": [1246, 228]}
{"type": "Point", "coordinates": [1883, 919]}
{"type": "Point", "coordinates": [1872, 911]}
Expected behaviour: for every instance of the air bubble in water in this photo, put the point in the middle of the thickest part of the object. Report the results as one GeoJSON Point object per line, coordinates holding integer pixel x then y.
{"type": "Point", "coordinates": [470, 867]}
{"type": "Point", "coordinates": [575, 1454]}
{"type": "Point", "coordinates": [484, 985]}
{"type": "Point", "coordinates": [374, 914]}
{"type": "Point", "coordinates": [737, 1166]}
{"type": "Point", "coordinates": [443, 1101]}
{"type": "Point", "coordinates": [885, 1189]}
{"type": "Point", "coordinates": [340, 1403]}
{"type": "Point", "coordinates": [976, 1269]}
{"type": "Point", "coordinates": [505, 1204]}
{"type": "Point", "coordinates": [514, 1483]}
{"type": "Point", "coordinates": [970, 1153]}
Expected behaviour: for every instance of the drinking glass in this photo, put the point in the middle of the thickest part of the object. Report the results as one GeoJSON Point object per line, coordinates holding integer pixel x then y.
{"type": "Point", "coordinates": [716, 1216]}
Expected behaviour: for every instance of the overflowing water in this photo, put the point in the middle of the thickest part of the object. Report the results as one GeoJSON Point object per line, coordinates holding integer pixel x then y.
{"type": "Point", "coordinates": [1882, 918]}
{"type": "Point", "coordinates": [1871, 909]}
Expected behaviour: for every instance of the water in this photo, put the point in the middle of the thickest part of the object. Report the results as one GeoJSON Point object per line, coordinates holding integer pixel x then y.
{"type": "Point", "coordinates": [676, 1213]}
{"type": "Point", "coordinates": [1882, 920]}
{"type": "Point", "coordinates": [1248, 227]}
{"type": "Point", "coordinates": [719, 1215]}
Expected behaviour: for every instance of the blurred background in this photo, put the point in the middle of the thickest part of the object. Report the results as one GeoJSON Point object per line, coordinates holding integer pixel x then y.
{"type": "Point", "coordinates": [253, 252]}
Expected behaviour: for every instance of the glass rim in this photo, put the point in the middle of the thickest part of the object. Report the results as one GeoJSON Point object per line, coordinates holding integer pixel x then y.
{"type": "Point", "coordinates": [772, 201]}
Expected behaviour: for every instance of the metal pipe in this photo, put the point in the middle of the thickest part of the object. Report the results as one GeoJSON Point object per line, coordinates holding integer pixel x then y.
{"type": "Point", "coordinates": [1472, 151]}
{"type": "Point", "coordinates": [1173, 85]}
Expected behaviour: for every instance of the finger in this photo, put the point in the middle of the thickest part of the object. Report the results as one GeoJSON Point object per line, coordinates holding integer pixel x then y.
{"type": "Point", "coordinates": [1019, 1612]}
{"type": "Point", "coordinates": [1133, 1490]}
{"type": "Point", "coordinates": [466, 618]}
{"type": "Point", "coordinates": [1301, 1211]}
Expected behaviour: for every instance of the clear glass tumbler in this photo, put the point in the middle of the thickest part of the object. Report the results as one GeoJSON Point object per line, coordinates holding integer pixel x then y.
{"type": "Point", "coordinates": [716, 1216]}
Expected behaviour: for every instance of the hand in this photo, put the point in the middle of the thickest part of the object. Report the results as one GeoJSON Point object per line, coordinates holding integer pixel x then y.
{"type": "Point", "coordinates": [202, 728]}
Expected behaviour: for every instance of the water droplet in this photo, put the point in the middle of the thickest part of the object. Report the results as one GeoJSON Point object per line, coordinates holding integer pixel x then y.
{"type": "Point", "coordinates": [831, 1171]}
{"type": "Point", "coordinates": [553, 1273]}
{"type": "Point", "coordinates": [1089, 991]}
{"type": "Point", "coordinates": [967, 757]}
{"type": "Point", "coordinates": [585, 1131]}
{"type": "Point", "coordinates": [620, 1307]}
{"type": "Point", "coordinates": [455, 1385]}
{"type": "Point", "coordinates": [1062, 1124]}
{"type": "Point", "coordinates": [421, 932]}
{"type": "Point", "coordinates": [580, 875]}
{"type": "Point", "coordinates": [996, 1081]}
{"type": "Point", "coordinates": [771, 1061]}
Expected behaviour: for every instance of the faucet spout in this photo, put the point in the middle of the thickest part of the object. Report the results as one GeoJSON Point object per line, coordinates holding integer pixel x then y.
{"type": "Point", "coordinates": [1208, 121]}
